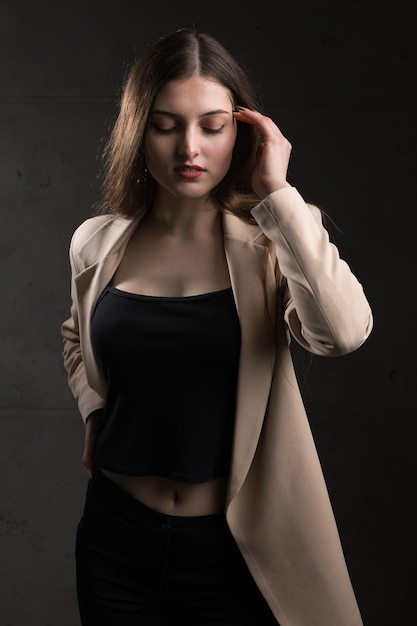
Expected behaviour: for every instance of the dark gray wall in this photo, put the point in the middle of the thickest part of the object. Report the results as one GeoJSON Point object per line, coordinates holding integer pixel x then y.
{"type": "Point", "coordinates": [339, 77]}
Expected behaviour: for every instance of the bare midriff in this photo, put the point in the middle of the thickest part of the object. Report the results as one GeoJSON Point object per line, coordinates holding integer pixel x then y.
{"type": "Point", "coordinates": [172, 497]}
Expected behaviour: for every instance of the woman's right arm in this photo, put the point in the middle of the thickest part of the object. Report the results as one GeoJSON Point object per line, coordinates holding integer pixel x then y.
{"type": "Point", "coordinates": [90, 403]}
{"type": "Point", "coordinates": [88, 400]}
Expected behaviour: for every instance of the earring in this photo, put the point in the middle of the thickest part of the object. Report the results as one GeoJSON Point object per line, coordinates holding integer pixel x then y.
{"type": "Point", "coordinates": [143, 178]}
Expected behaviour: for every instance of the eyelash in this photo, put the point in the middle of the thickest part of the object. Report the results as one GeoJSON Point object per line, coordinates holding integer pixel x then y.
{"type": "Point", "coordinates": [166, 131]}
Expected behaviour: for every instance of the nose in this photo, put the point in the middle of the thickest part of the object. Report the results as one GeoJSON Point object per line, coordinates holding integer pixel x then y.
{"type": "Point", "coordinates": [188, 144]}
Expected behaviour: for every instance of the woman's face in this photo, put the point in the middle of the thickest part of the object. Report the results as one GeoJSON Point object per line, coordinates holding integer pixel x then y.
{"type": "Point", "coordinates": [190, 138]}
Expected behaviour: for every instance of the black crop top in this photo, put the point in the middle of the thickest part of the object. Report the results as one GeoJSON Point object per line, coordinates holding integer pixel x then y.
{"type": "Point", "coordinates": [171, 367]}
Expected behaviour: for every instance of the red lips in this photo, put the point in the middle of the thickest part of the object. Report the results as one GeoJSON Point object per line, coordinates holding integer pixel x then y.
{"type": "Point", "coordinates": [189, 171]}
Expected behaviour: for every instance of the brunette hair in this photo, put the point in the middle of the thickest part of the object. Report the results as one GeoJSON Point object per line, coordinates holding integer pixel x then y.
{"type": "Point", "coordinates": [127, 188]}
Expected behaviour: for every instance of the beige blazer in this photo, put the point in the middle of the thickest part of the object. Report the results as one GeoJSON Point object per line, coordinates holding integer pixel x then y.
{"type": "Point", "coordinates": [288, 280]}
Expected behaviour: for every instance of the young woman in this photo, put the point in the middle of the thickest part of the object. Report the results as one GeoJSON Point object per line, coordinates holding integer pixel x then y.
{"type": "Point", "coordinates": [206, 502]}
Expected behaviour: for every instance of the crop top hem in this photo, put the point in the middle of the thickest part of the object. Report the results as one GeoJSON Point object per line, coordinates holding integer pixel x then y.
{"type": "Point", "coordinates": [175, 476]}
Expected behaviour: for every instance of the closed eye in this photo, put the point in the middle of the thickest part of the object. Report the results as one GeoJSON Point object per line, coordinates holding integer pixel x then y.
{"type": "Point", "coordinates": [214, 130]}
{"type": "Point", "coordinates": [172, 129]}
{"type": "Point", "coordinates": [162, 130]}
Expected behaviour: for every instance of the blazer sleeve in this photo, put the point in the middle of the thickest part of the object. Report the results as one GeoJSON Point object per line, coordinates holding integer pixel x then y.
{"type": "Point", "coordinates": [88, 400]}
{"type": "Point", "coordinates": [325, 306]}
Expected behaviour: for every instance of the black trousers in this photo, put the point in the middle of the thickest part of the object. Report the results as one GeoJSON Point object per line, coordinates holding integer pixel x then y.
{"type": "Point", "coordinates": [138, 567]}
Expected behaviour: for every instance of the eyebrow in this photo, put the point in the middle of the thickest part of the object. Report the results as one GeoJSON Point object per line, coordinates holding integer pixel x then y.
{"type": "Point", "coordinates": [174, 115]}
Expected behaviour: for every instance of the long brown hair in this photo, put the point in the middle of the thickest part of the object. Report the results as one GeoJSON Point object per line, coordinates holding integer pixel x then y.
{"type": "Point", "coordinates": [127, 188]}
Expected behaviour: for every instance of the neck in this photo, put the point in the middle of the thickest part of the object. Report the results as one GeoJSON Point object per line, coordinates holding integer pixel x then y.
{"type": "Point", "coordinates": [184, 217]}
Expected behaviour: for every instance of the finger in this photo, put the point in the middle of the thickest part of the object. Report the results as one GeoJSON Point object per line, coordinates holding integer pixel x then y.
{"type": "Point", "coordinates": [265, 124]}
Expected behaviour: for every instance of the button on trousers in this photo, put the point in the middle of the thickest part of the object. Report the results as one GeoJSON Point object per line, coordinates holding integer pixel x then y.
{"type": "Point", "coordinates": [138, 567]}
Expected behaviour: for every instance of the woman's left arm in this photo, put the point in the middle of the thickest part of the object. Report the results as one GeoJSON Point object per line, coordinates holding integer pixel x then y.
{"type": "Point", "coordinates": [325, 305]}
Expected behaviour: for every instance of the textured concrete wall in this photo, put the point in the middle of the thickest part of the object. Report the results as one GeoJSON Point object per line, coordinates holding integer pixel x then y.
{"type": "Point", "coordinates": [339, 77]}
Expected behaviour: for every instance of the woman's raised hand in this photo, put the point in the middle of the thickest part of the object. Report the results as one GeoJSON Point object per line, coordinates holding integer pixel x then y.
{"type": "Point", "coordinates": [273, 155]}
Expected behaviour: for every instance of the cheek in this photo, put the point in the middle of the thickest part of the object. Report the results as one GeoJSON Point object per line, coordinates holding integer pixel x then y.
{"type": "Point", "coordinates": [225, 149]}
{"type": "Point", "coordinates": [154, 153]}
{"type": "Point", "coordinates": [147, 149]}
{"type": "Point", "coordinates": [150, 146]}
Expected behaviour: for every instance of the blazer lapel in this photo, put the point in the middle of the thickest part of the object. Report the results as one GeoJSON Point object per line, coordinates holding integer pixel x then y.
{"type": "Point", "coordinates": [253, 283]}
{"type": "Point", "coordinates": [100, 256]}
